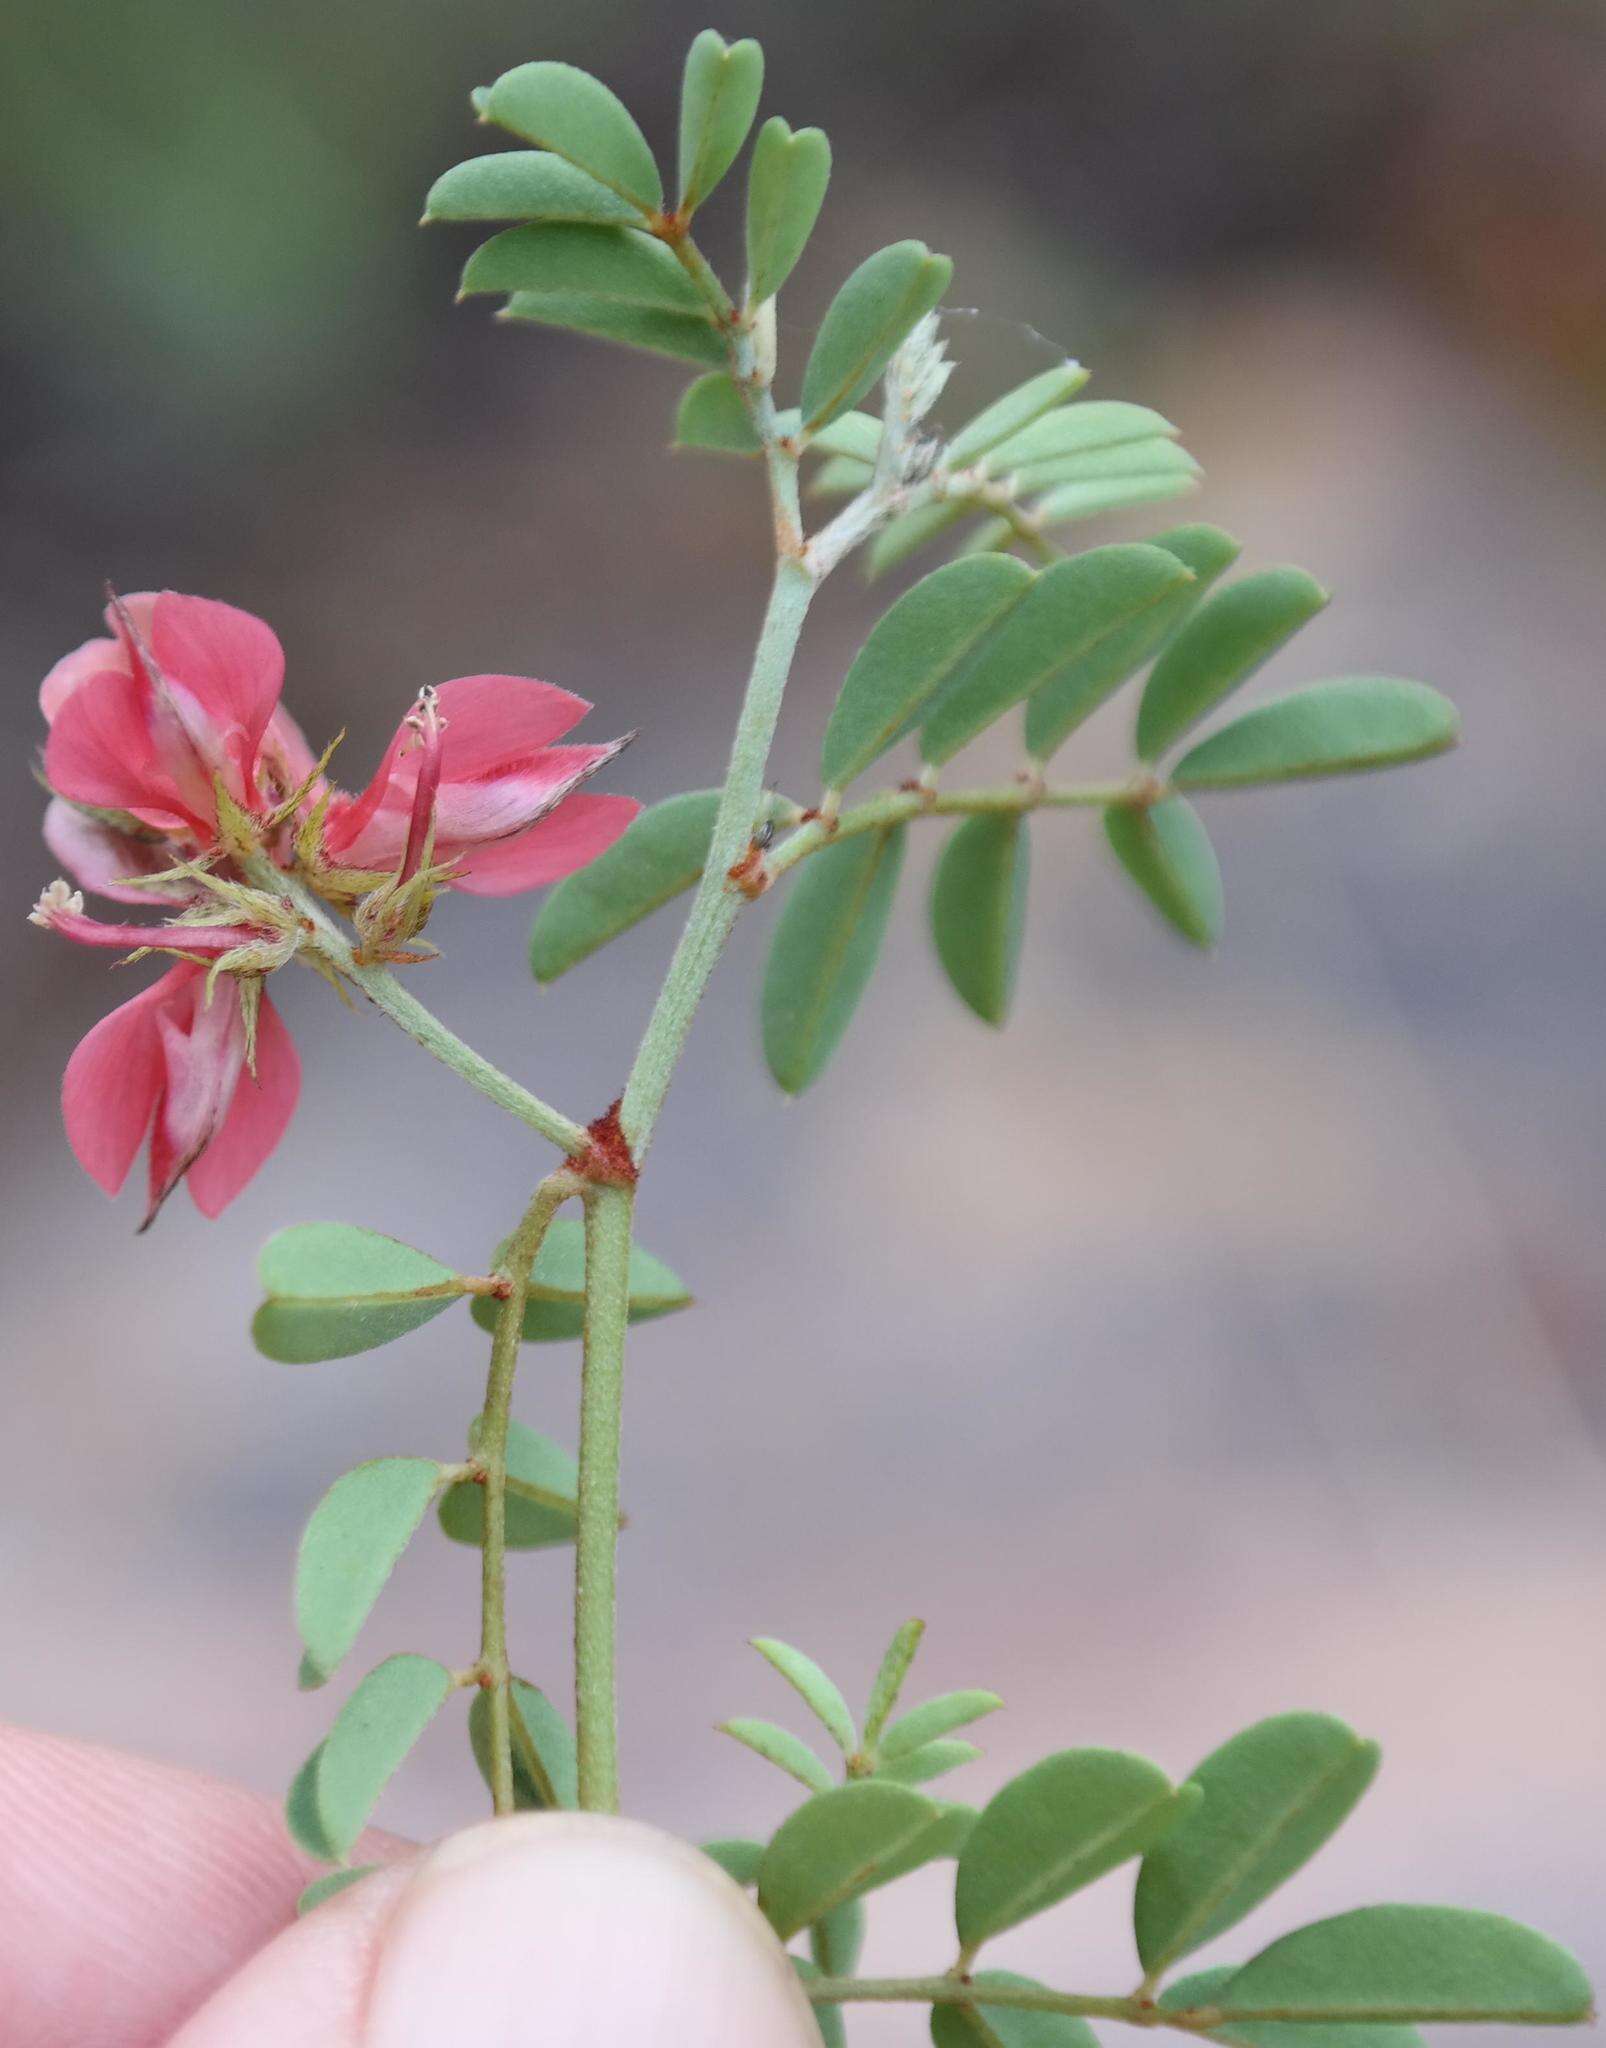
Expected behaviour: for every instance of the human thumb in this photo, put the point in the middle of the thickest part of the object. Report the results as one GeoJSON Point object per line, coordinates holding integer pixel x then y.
{"type": "Point", "coordinates": [568, 1930]}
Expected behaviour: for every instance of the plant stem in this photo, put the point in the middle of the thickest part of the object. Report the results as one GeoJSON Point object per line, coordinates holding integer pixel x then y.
{"type": "Point", "coordinates": [607, 1306]}
{"type": "Point", "coordinates": [491, 1452]}
{"type": "Point", "coordinates": [958, 1991]}
{"type": "Point", "coordinates": [892, 806]}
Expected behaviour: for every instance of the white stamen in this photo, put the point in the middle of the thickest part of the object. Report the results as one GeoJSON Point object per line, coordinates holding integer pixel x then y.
{"type": "Point", "coordinates": [61, 898]}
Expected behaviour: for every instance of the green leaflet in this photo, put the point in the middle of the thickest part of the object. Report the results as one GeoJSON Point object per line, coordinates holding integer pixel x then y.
{"type": "Point", "coordinates": [322, 1888]}
{"type": "Point", "coordinates": [818, 1693]}
{"type": "Point", "coordinates": [542, 1485]}
{"type": "Point", "coordinates": [576, 117]}
{"type": "Point", "coordinates": [713, 416]}
{"type": "Point", "coordinates": [1167, 852]}
{"type": "Point", "coordinates": [1133, 460]}
{"type": "Point", "coordinates": [824, 951]}
{"type": "Point", "coordinates": [659, 856]}
{"type": "Point", "coordinates": [1343, 727]}
{"type": "Point", "coordinates": [913, 651]}
{"type": "Point", "coordinates": [932, 1760]}
{"type": "Point", "coordinates": [909, 531]}
{"type": "Point", "coordinates": [737, 1857]}
{"type": "Point", "coordinates": [1006, 416]}
{"type": "Point", "coordinates": [1203, 1987]}
{"type": "Point", "coordinates": [1055, 711]}
{"type": "Point", "coordinates": [837, 1845]}
{"type": "Point", "coordinates": [872, 312]}
{"type": "Point", "coordinates": [1056, 1828]}
{"type": "Point", "coordinates": [1003, 2026]}
{"type": "Point", "coordinates": [842, 477]}
{"type": "Point", "coordinates": [349, 1548]}
{"type": "Point", "coordinates": [1411, 1963]}
{"type": "Point", "coordinates": [779, 1746]}
{"type": "Point", "coordinates": [553, 1311]}
{"type": "Point", "coordinates": [785, 189]}
{"type": "Point", "coordinates": [923, 1724]}
{"type": "Point", "coordinates": [301, 1816]}
{"type": "Point", "coordinates": [1272, 1796]}
{"type": "Point", "coordinates": [604, 264]}
{"type": "Point", "coordinates": [835, 1941]}
{"type": "Point", "coordinates": [375, 1729]}
{"type": "Point", "coordinates": [1231, 635]}
{"type": "Point", "coordinates": [889, 1679]}
{"type": "Point", "coordinates": [525, 184]}
{"type": "Point", "coordinates": [688, 337]}
{"type": "Point", "coordinates": [1077, 430]}
{"type": "Point", "coordinates": [1087, 500]}
{"type": "Point", "coordinates": [1071, 610]}
{"type": "Point", "coordinates": [335, 1290]}
{"type": "Point", "coordinates": [978, 910]}
{"type": "Point", "coordinates": [545, 1771]}
{"type": "Point", "coordinates": [718, 99]}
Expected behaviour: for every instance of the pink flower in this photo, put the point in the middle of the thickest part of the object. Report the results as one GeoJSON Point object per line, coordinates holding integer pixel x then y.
{"type": "Point", "coordinates": [486, 744]}
{"type": "Point", "coordinates": [171, 1064]}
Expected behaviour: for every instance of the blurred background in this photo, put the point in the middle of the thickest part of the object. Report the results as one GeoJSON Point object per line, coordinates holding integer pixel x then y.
{"type": "Point", "coordinates": [1227, 1337]}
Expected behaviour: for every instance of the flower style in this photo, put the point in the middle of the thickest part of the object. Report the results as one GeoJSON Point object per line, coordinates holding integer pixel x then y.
{"type": "Point", "coordinates": [169, 758]}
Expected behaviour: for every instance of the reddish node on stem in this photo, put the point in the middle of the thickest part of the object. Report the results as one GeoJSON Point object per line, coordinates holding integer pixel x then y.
{"type": "Point", "coordinates": [751, 874]}
{"type": "Point", "coordinates": [606, 1160]}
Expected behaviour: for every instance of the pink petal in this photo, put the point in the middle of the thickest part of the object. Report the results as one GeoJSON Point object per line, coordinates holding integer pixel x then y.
{"type": "Point", "coordinates": [494, 719]}
{"type": "Point", "coordinates": [575, 833]}
{"type": "Point", "coordinates": [98, 856]}
{"type": "Point", "coordinates": [100, 750]}
{"type": "Point", "coordinates": [114, 1081]}
{"type": "Point", "coordinates": [256, 1118]}
{"type": "Point", "coordinates": [494, 805]}
{"type": "Point", "coordinates": [76, 668]}
{"type": "Point", "coordinates": [285, 751]}
{"type": "Point", "coordinates": [203, 1050]}
{"type": "Point", "coordinates": [227, 664]}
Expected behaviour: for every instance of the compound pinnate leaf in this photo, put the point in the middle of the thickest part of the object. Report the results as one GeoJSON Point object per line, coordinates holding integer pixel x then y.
{"type": "Point", "coordinates": [348, 1550]}
{"type": "Point", "coordinates": [1056, 1828]}
{"type": "Point", "coordinates": [1006, 416]}
{"type": "Point", "coordinates": [1006, 2026]}
{"type": "Point", "coordinates": [785, 190]}
{"type": "Point", "coordinates": [837, 1845]}
{"type": "Point", "coordinates": [931, 1760]}
{"type": "Point", "coordinates": [978, 910]}
{"type": "Point", "coordinates": [1054, 712]}
{"type": "Point", "coordinates": [602, 264]}
{"type": "Point", "coordinates": [375, 1729]}
{"type": "Point", "coordinates": [323, 1888]}
{"type": "Point", "coordinates": [826, 944]}
{"type": "Point", "coordinates": [576, 117]}
{"type": "Point", "coordinates": [936, 1717]}
{"type": "Point", "coordinates": [1071, 609]}
{"type": "Point", "coordinates": [545, 1769]}
{"type": "Point", "coordinates": [871, 314]}
{"type": "Point", "coordinates": [334, 1290]}
{"type": "Point", "coordinates": [554, 1307]}
{"type": "Point", "coordinates": [1203, 1987]}
{"type": "Point", "coordinates": [687, 337]}
{"type": "Point", "coordinates": [889, 1678]}
{"type": "Point", "coordinates": [542, 1485]}
{"type": "Point", "coordinates": [1412, 1964]}
{"type": "Point", "coordinates": [525, 184]}
{"type": "Point", "coordinates": [659, 856]}
{"type": "Point", "coordinates": [737, 1857]}
{"type": "Point", "coordinates": [712, 415]}
{"type": "Point", "coordinates": [818, 1693]}
{"type": "Point", "coordinates": [835, 1941]}
{"type": "Point", "coordinates": [718, 98]}
{"type": "Point", "coordinates": [912, 652]}
{"type": "Point", "coordinates": [1167, 852]}
{"type": "Point", "coordinates": [779, 1746]}
{"type": "Point", "coordinates": [1342, 727]}
{"type": "Point", "coordinates": [1233, 633]}
{"type": "Point", "coordinates": [1272, 1796]}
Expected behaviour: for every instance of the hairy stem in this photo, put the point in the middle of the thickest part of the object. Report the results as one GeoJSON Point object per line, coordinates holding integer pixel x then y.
{"type": "Point", "coordinates": [608, 1219]}
{"type": "Point", "coordinates": [892, 806]}
{"type": "Point", "coordinates": [491, 1455]}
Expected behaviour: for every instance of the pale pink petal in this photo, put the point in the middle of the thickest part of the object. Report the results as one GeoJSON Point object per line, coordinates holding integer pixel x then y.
{"type": "Point", "coordinates": [490, 806]}
{"type": "Point", "coordinates": [203, 1050]}
{"type": "Point", "coordinates": [75, 668]}
{"type": "Point", "coordinates": [492, 719]}
{"type": "Point", "coordinates": [256, 1119]}
{"type": "Point", "coordinates": [575, 833]}
{"type": "Point", "coordinates": [100, 750]}
{"type": "Point", "coordinates": [114, 1081]}
{"type": "Point", "coordinates": [98, 856]}
{"type": "Point", "coordinates": [226, 662]}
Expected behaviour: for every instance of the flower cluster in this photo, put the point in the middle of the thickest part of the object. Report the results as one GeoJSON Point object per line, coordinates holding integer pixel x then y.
{"type": "Point", "coordinates": [178, 778]}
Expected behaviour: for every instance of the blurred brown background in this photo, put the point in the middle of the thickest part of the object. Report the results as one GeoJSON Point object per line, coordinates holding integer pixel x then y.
{"type": "Point", "coordinates": [1225, 1338]}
